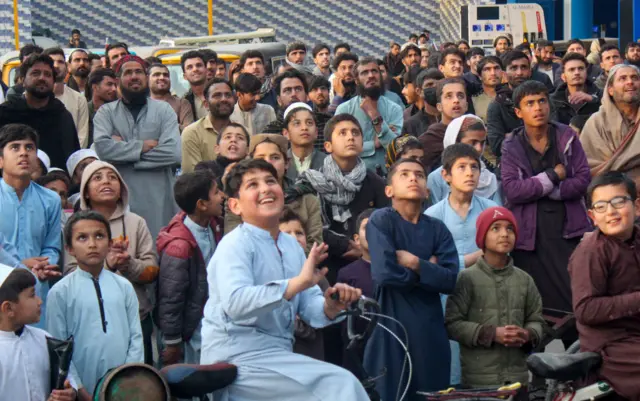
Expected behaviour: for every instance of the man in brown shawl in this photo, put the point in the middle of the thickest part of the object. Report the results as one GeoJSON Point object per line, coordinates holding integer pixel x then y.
{"type": "Point", "coordinates": [609, 137]}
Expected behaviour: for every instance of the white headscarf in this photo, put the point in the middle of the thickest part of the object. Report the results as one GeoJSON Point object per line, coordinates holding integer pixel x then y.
{"type": "Point", "coordinates": [488, 182]}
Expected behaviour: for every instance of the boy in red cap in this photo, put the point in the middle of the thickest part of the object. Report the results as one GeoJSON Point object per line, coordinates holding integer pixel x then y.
{"type": "Point", "coordinates": [495, 312]}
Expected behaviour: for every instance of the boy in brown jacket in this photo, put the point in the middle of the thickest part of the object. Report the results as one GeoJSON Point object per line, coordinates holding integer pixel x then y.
{"type": "Point", "coordinates": [495, 312]}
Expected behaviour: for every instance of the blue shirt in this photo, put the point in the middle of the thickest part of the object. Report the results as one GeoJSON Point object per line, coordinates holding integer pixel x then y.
{"type": "Point", "coordinates": [204, 238]}
{"type": "Point", "coordinates": [246, 310]}
{"type": "Point", "coordinates": [393, 97]}
{"type": "Point", "coordinates": [391, 116]}
{"type": "Point", "coordinates": [439, 189]}
{"type": "Point", "coordinates": [31, 227]}
{"type": "Point", "coordinates": [100, 343]}
{"type": "Point", "coordinates": [464, 236]}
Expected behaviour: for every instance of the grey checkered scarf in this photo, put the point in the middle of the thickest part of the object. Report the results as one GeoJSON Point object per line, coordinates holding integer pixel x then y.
{"type": "Point", "coordinates": [334, 187]}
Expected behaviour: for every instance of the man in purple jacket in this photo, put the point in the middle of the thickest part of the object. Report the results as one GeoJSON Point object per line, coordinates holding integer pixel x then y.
{"type": "Point", "coordinates": [545, 176]}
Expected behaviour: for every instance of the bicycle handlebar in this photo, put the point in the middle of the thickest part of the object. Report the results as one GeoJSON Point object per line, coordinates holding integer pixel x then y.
{"type": "Point", "coordinates": [359, 308]}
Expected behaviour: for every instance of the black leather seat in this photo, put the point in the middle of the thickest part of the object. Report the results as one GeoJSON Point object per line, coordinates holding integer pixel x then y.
{"type": "Point", "coordinates": [563, 367]}
{"type": "Point", "coordinates": [188, 381]}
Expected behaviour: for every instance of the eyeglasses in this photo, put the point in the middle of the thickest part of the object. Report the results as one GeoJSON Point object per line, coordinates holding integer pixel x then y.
{"type": "Point", "coordinates": [618, 203]}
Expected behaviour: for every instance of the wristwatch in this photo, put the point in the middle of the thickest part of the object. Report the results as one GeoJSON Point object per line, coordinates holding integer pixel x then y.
{"type": "Point", "coordinates": [377, 120]}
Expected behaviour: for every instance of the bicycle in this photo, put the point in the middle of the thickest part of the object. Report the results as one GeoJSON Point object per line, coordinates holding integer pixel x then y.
{"type": "Point", "coordinates": [563, 371]}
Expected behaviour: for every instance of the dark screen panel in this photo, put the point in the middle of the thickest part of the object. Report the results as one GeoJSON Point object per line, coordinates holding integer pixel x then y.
{"type": "Point", "coordinates": [488, 13]}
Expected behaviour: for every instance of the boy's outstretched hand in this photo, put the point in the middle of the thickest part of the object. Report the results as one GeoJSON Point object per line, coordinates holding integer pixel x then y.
{"type": "Point", "coordinates": [346, 296]}
{"type": "Point", "coordinates": [309, 275]}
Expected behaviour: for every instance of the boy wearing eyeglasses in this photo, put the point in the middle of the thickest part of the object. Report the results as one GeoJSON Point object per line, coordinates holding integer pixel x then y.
{"type": "Point", "coordinates": [605, 281]}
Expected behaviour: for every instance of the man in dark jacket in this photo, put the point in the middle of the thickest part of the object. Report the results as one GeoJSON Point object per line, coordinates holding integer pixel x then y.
{"type": "Point", "coordinates": [39, 109]}
{"type": "Point", "coordinates": [593, 70]}
{"type": "Point", "coordinates": [576, 95]}
{"type": "Point", "coordinates": [501, 118]}
{"type": "Point", "coordinates": [185, 247]}
{"type": "Point", "coordinates": [545, 176]}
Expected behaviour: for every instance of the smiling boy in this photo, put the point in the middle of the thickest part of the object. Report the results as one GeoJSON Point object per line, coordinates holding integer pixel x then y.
{"type": "Point", "coordinates": [258, 282]}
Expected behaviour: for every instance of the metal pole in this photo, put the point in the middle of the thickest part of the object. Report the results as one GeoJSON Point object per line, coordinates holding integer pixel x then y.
{"type": "Point", "coordinates": [210, 10]}
{"type": "Point", "coordinates": [16, 29]}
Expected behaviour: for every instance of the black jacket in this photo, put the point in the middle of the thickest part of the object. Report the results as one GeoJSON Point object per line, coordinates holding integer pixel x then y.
{"type": "Point", "coordinates": [191, 98]}
{"type": "Point", "coordinates": [57, 133]}
{"type": "Point", "coordinates": [337, 235]}
{"type": "Point", "coordinates": [565, 112]}
{"type": "Point", "coordinates": [501, 119]}
{"type": "Point", "coordinates": [593, 72]}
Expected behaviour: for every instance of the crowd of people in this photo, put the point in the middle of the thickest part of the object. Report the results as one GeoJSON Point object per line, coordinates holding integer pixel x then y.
{"type": "Point", "coordinates": [469, 194]}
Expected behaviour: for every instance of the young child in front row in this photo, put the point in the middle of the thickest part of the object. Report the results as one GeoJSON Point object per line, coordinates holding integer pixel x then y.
{"type": "Point", "coordinates": [495, 312]}
{"type": "Point", "coordinates": [185, 246]}
{"type": "Point", "coordinates": [24, 356]}
{"type": "Point", "coordinates": [258, 282]}
{"type": "Point", "coordinates": [309, 341]}
{"type": "Point", "coordinates": [94, 305]}
{"type": "Point", "coordinates": [459, 211]}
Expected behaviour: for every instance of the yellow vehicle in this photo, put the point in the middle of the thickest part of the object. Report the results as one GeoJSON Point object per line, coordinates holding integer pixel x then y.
{"type": "Point", "coordinates": [10, 61]}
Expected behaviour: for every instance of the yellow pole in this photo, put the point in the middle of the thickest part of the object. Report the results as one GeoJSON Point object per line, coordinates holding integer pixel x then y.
{"type": "Point", "coordinates": [16, 29]}
{"type": "Point", "coordinates": [210, 9]}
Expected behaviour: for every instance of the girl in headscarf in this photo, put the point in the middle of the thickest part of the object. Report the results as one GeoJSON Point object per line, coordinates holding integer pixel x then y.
{"type": "Point", "coordinates": [469, 129]}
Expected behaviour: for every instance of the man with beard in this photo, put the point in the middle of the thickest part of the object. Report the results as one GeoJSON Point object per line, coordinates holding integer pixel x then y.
{"type": "Point", "coordinates": [292, 87]}
{"type": "Point", "coordinates": [610, 137]}
{"type": "Point", "coordinates": [501, 45]}
{"type": "Point", "coordinates": [247, 111]}
{"type": "Point", "coordinates": [160, 89]}
{"type": "Point", "coordinates": [195, 72]}
{"type": "Point", "coordinates": [501, 116]}
{"type": "Point", "coordinates": [609, 58]}
{"type": "Point", "coordinates": [319, 93]}
{"type": "Point", "coordinates": [379, 117]}
{"type": "Point", "coordinates": [252, 62]}
{"type": "Point", "coordinates": [322, 58]}
{"type": "Point", "coordinates": [410, 54]}
{"type": "Point", "coordinates": [545, 63]}
{"type": "Point", "coordinates": [27, 50]}
{"type": "Point", "coordinates": [343, 84]}
{"type": "Point", "coordinates": [140, 136]}
{"type": "Point", "coordinates": [104, 89]}
{"type": "Point", "coordinates": [632, 54]}
{"type": "Point", "coordinates": [79, 68]}
{"type": "Point", "coordinates": [296, 53]}
{"type": "Point", "coordinates": [40, 110]}
{"type": "Point", "coordinates": [392, 88]}
{"type": "Point", "coordinates": [490, 71]}
{"type": "Point", "coordinates": [199, 140]}
{"type": "Point", "coordinates": [576, 95]}
{"type": "Point", "coordinates": [73, 101]}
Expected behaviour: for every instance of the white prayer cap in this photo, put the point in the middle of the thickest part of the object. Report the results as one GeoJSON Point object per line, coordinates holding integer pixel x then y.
{"type": "Point", "coordinates": [296, 105]}
{"type": "Point", "coordinates": [56, 169]}
{"type": "Point", "coordinates": [454, 127]}
{"type": "Point", "coordinates": [44, 158]}
{"type": "Point", "coordinates": [4, 273]}
{"type": "Point", "coordinates": [78, 156]}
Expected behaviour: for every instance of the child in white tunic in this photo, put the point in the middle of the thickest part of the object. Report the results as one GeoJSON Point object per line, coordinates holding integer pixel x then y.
{"type": "Point", "coordinates": [258, 282]}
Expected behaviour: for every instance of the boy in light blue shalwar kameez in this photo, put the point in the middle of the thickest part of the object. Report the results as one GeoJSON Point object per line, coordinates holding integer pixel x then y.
{"type": "Point", "coordinates": [258, 282]}
{"type": "Point", "coordinates": [459, 211]}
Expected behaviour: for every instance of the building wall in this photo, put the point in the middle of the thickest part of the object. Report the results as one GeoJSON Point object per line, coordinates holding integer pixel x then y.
{"type": "Point", "coordinates": [368, 25]}
{"type": "Point", "coordinates": [7, 36]}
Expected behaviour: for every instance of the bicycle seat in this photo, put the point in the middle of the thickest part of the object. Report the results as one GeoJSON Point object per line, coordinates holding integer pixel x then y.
{"type": "Point", "coordinates": [563, 367]}
{"type": "Point", "coordinates": [188, 381]}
